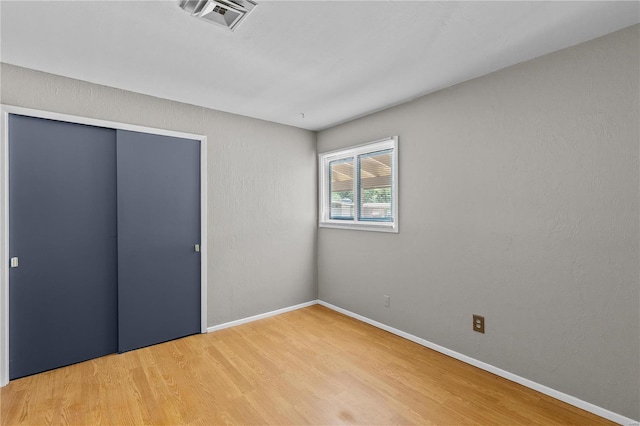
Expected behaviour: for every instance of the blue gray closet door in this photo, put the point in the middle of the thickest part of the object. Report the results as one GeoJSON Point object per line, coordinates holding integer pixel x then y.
{"type": "Point", "coordinates": [158, 227]}
{"type": "Point", "coordinates": [62, 225]}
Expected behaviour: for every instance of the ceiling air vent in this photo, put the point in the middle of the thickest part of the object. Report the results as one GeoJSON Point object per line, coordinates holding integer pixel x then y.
{"type": "Point", "coordinates": [227, 13]}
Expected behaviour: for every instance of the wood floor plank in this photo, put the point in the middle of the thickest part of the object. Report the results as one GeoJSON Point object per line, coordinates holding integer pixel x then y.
{"type": "Point", "coordinates": [310, 366]}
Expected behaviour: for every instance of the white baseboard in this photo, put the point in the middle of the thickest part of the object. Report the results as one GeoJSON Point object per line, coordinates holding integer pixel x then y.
{"type": "Point", "coordinates": [260, 316]}
{"type": "Point", "coordinates": [599, 411]}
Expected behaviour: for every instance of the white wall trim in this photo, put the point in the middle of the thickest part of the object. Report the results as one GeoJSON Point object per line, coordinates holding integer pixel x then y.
{"type": "Point", "coordinates": [97, 122]}
{"type": "Point", "coordinates": [262, 316]}
{"type": "Point", "coordinates": [203, 236]}
{"type": "Point", "coordinates": [4, 205]}
{"type": "Point", "coordinates": [4, 251]}
{"type": "Point", "coordinates": [599, 411]}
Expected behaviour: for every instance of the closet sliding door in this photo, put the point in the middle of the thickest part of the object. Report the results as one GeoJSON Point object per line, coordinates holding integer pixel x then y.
{"type": "Point", "coordinates": [104, 227]}
{"type": "Point", "coordinates": [62, 224]}
{"type": "Point", "coordinates": [158, 233]}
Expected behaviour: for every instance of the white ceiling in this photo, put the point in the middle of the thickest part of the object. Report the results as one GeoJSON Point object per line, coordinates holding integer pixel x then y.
{"type": "Point", "coordinates": [331, 60]}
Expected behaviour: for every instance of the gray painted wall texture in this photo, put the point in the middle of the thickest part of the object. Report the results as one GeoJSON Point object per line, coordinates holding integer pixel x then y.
{"type": "Point", "coordinates": [519, 196]}
{"type": "Point", "coordinates": [262, 202]}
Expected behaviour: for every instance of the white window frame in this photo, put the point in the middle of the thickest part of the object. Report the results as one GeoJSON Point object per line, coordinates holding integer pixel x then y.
{"type": "Point", "coordinates": [390, 143]}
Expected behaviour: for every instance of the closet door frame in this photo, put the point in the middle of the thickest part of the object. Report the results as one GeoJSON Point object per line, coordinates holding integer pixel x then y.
{"type": "Point", "coordinates": [4, 211]}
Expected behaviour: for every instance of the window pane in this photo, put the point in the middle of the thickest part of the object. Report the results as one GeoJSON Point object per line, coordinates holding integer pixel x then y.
{"type": "Point", "coordinates": [376, 176]}
{"type": "Point", "coordinates": [341, 181]}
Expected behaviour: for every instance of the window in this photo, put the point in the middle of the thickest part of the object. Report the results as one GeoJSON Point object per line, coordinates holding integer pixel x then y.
{"type": "Point", "coordinates": [359, 187]}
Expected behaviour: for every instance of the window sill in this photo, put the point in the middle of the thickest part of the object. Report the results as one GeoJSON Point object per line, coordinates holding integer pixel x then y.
{"type": "Point", "coordinates": [378, 227]}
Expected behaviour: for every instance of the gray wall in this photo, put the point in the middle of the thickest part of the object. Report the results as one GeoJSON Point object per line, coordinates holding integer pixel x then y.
{"type": "Point", "coordinates": [261, 188]}
{"type": "Point", "coordinates": [519, 200]}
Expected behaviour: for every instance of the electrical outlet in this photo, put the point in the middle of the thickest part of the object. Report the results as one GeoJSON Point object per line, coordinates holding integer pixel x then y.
{"type": "Point", "coordinates": [387, 301]}
{"type": "Point", "coordinates": [478, 323]}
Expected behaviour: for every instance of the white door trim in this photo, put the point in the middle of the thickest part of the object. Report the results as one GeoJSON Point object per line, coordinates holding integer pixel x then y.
{"type": "Point", "coordinates": [4, 211]}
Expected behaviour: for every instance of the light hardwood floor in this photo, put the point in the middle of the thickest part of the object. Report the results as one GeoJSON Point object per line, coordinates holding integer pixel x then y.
{"type": "Point", "coordinates": [310, 366]}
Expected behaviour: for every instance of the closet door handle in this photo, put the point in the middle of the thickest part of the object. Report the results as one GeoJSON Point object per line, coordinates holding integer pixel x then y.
{"type": "Point", "coordinates": [196, 248]}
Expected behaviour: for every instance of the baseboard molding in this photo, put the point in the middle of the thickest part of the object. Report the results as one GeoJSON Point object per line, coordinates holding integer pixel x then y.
{"type": "Point", "coordinates": [587, 406]}
{"type": "Point", "coordinates": [261, 316]}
